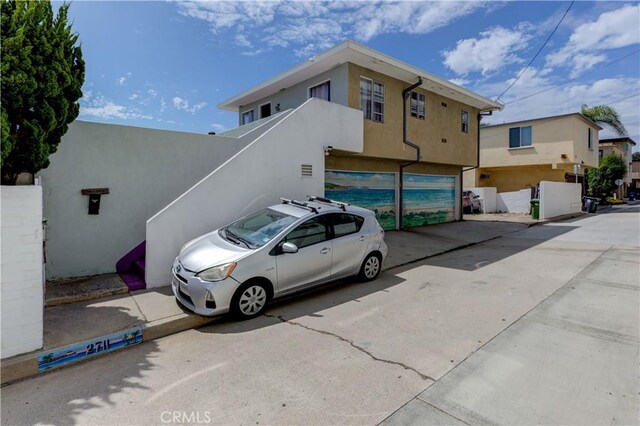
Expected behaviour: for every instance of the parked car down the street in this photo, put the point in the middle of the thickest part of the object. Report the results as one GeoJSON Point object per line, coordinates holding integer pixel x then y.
{"type": "Point", "coordinates": [470, 202]}
{"type": "Point", "coordinates": [274, 252]}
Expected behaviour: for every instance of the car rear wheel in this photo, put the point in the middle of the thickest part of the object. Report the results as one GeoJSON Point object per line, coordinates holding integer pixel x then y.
{"type": "Point", "coordinates": [370, 268]}
{"type": "Point", "coordinates": [250, 300]}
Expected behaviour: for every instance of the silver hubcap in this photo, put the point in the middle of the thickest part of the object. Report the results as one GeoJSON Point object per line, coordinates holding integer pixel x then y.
{"type": "Point", "coordinates": [371, 267]}
{"type": "Point", "coordinates": [252, 300]}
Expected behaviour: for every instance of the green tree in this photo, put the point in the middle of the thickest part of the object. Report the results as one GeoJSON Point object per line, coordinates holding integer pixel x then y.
{"type": "Point", "coordinates": [604, 114]}
{"type": "Point", "coordinates": [42, 74]}
{"type": "Point", "coordinates": [601, 181]}
{"type": "Point", "coordinates": [635, 156]}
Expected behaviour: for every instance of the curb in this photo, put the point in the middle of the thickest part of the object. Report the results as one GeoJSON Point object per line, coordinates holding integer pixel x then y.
{"type": "Point", "coordinates": [27, 365]}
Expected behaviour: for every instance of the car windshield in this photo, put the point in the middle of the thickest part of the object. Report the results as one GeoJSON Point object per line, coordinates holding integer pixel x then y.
{"type": "Point", "coordinates": [259, 228]}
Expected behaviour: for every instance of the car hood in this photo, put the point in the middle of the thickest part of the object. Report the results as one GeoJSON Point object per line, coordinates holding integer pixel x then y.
{"type": "Point", "coordinates": [210, 250]}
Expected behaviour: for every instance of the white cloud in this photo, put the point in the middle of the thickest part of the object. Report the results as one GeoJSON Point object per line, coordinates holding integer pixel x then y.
{"type": "Point", "coordinates": [153, 93]}
{"type": "Point", "coordinates": [459, 81]}
{"type": "Point", "coordinates": [106, 109]}
{"type": "Point", "coordinates": [492, 51]}
{"type": "Point", "coordinates": [567, 99]}
{"type": "Point", "coordinates": [309, 26]}
{"type": "Point", "coordinates": [614, 29]}
{"type": "Point", "coordinates": [218, 127]}
{"type": "Point", "coordinates": [120, 81]}
{"type": "Point", "coordinates": [184, 105]}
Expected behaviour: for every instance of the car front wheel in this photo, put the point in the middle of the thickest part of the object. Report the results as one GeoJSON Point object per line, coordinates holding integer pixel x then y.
{"type": "Point", "coordinates": [250, 300]}
{"type": "Point", "coordinates": [370, 268]}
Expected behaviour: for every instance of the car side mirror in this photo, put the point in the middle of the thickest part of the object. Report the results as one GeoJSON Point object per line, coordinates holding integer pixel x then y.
{"type": "Point", "coordinates": [476, 196]}
{"type": "Point", "coordinates": [289, 248]}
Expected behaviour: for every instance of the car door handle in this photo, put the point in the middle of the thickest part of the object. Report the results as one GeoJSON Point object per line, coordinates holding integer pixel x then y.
{"type": "Point", "coordinates": [325, 250]}
{"type": "Point", "coordinates": [362, 238]}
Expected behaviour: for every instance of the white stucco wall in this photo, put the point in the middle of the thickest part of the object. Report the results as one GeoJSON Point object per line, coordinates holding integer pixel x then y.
{"type": "Point", "coordinates": [487, 196]}
{"type": "Point", "coordinates": [514, 202]}
{"type": "Point", "coordinates": [558, 198]}
{"type": "Point", "coordinates": [21, 275]}
{"type": "Point", "coordinates": [256, 177]}
{"type": "Point", "coordinates": [144, 169]}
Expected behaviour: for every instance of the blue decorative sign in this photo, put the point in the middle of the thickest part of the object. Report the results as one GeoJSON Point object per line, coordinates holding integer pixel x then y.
{"type": "Point", "coordinates": [88, 349]}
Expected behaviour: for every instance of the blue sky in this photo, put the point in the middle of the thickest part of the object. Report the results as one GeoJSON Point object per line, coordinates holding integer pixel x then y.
{"type": "Point", "coordinates": [166, 64]}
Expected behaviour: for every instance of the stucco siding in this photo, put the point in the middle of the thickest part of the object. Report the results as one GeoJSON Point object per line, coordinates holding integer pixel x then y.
{"type": "Point", "coordinates": [439, 135]}
{"type": "Point", "coordinates": [294, 96]}
{"type": "Point", "coordinates": [144, 170]}
{"type": "Point", "coordinates": [507, 179]}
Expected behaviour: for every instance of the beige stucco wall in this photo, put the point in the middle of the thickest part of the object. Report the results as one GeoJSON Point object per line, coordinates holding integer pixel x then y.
{"type": "Point", "coordinates": [360, 163]}
{"type": "Point", "coordinates": [513, 178]}
{"type": "Point", "coordinates": [384, 140]}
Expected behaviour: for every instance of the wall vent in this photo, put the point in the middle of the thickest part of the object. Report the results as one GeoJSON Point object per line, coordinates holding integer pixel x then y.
{"type": "Point", "coordinates": [306, 170]}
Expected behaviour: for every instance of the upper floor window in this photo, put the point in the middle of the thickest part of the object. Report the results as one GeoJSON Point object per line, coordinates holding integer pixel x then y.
{"type": "Point", "coordinates": [465, 121]}
{"type": "Point", "coordinates": [590, 138]}
{"type": "Point", "coordinates": [418, 101]}
{"type": "Point", "coordinates": [247, 117]}
{"type": "Point", "coordinates": [265, 110]}
{"type": "Point", "coordinates": [372, 99]}
{"type": "Point", "coordinates": [322, 91]}
{"type": "Point", "coordinates": [600, 154]}
{"type": "Point", "coordinates": [625, 147]}
{"type": "Point", "coordinates": [519, 137]}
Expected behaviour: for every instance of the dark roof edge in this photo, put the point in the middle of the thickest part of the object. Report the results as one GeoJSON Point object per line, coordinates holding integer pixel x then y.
{"type": "Point", "coordinates": [620, 139]}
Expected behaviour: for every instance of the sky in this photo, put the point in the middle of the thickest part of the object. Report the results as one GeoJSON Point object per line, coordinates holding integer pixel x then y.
{"type": "Point", "coordinates": [168, 64]}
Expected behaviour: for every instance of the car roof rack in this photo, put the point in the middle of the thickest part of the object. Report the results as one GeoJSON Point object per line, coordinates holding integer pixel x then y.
{"type": "Point", "coordinates": [301, 204]}
{"type": "Point", "coordinates": [324, 200]}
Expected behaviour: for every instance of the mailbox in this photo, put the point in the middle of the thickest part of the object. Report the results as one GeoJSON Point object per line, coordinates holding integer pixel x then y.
{"type": "Point", "coordinates": [94, 198]}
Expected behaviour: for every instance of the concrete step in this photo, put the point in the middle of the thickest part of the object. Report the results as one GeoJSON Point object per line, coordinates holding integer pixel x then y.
{"type": "Point", "coordinates": [83, 288]}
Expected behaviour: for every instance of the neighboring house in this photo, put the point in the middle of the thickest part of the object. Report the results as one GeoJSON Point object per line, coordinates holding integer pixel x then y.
{"type": "Point", "coordinates": [333, 125]}
{"type": "Point", "coordinates": [411, 179]}
{"type": "Point", "coordinates": [623, 148]}
{"type": "Point", "coordinates": [519, 155]}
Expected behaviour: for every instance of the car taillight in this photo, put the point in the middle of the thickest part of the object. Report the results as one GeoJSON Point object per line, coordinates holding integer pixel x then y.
{"type": "Point", "coordinates": [465, 198]}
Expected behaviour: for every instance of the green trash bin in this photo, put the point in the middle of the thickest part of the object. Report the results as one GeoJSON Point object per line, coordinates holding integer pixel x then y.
{"type": "Point", "coordinates": [535, 209]}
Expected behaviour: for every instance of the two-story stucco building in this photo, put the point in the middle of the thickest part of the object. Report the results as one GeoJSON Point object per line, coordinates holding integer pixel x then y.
{"type": "Point", "coordinates": [621, 147]}
{"type": "Point", "coordinates": [420, 131]}
{"type": "Point", "coordinates": [518, 155]}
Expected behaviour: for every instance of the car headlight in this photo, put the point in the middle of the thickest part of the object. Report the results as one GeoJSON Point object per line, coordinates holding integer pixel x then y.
{"type": "Point", "coordinates": [217, 273]}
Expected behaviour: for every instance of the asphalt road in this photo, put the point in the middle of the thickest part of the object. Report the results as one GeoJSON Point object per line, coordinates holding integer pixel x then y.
{"type": "Point", "coordinates": [540, 326]}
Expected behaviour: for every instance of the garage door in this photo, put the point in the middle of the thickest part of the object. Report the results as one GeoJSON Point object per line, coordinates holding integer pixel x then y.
{"type": "Point", "coordinates": [428, 199]}
{"type": "Point", "coordinates": [371, 190]}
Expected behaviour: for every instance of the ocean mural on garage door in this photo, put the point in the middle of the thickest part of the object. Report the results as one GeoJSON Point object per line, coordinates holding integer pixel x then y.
{"type": "Point", "coordinates": [371, 190]}
{"type": "Point", "coordinates": [428, 199]}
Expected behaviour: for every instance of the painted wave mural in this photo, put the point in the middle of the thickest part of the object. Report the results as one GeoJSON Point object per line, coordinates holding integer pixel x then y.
{"type": "Point", "coordinates": [428, 199]}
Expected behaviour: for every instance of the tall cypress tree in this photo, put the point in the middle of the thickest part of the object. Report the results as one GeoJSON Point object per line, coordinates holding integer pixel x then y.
{"type": "Point", "coordinates": [42, 74]}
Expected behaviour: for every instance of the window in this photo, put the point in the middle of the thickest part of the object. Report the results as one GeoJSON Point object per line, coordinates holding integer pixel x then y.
{"type": "Point", "coordinates": [345, 224]}
{"type": "Point", "coordinates": [600, 154]}
{"type": "Point", "coordinates": [418, 101]}
{"type": "Point", "coordinates": [519, 137]}
{"type": "Point", "coordinates": [625, 147]}
{"type": "Point", "coordinates": [465, 121]}
{"type": "Point", "coordinates": [590, 138]}
{"type": "Point", "coordinates": [321, 91]}
{"type": "Point", "coordinates": [372, 99]}
{"type": "Point", "coordinates": [311, 232]}
{"type": "Point", "coordinates": [247, 117]}
{"type": "Point", "coordinates": [265, 110]}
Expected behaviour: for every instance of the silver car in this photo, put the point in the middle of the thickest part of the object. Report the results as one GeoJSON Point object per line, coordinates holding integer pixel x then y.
{"type": "Point", "coordinates": [276, 251]}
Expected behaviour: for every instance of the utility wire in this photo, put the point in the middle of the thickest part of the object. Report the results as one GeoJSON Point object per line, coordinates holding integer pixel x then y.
{"type": "Point", "coordinates": [536, 55]}
{"type": "Point", "coordinates": [623, 99]}
{"type": "Point", "coordinates": [573, 79]}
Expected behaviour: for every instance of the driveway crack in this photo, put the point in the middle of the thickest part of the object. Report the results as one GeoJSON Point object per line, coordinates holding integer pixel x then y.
{"type": "Point", "coordinates": [353, 345]}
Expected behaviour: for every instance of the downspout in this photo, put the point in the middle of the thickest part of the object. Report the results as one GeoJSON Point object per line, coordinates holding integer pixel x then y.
{"type": "Point", "coordinates": [480, 115]}
{"type": "Point", "coordinates": [405, 96]}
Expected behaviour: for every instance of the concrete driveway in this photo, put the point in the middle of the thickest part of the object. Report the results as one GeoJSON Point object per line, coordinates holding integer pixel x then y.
{"type": "Point", "coordinates": [495, 333]}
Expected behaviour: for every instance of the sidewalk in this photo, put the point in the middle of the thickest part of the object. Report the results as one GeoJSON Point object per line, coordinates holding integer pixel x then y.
{"type": "Point", "coordinates": [78, 331]}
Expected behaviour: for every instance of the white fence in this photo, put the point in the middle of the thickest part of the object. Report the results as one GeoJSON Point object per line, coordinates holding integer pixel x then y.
{"type": "Point", "coordinates": [487, 198]}
{"type": "Point", "coordinates": [21, 276]}
{"type": "Point", "coordinates": [514, 202]}
{"type": "Point", "coordinates": [559, 198]}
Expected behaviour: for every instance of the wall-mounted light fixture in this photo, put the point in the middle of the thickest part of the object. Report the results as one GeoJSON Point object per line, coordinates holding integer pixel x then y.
{"type": "Point", "coordinates": [563, 156]}
{"type": "Point", "coordinates": [94, 198]}
{"type": "Point", "coordinates": [327, 150]}
{"type": "Point", "coordinates": [278, 107]}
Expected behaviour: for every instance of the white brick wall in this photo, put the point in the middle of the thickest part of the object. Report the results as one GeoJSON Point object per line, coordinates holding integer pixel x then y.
{"type": "Point", "coordinates": [21, 282]}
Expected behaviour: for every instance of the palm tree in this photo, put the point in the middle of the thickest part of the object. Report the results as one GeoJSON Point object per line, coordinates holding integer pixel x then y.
{"type": "Point", "coordinates": [604, 114]}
